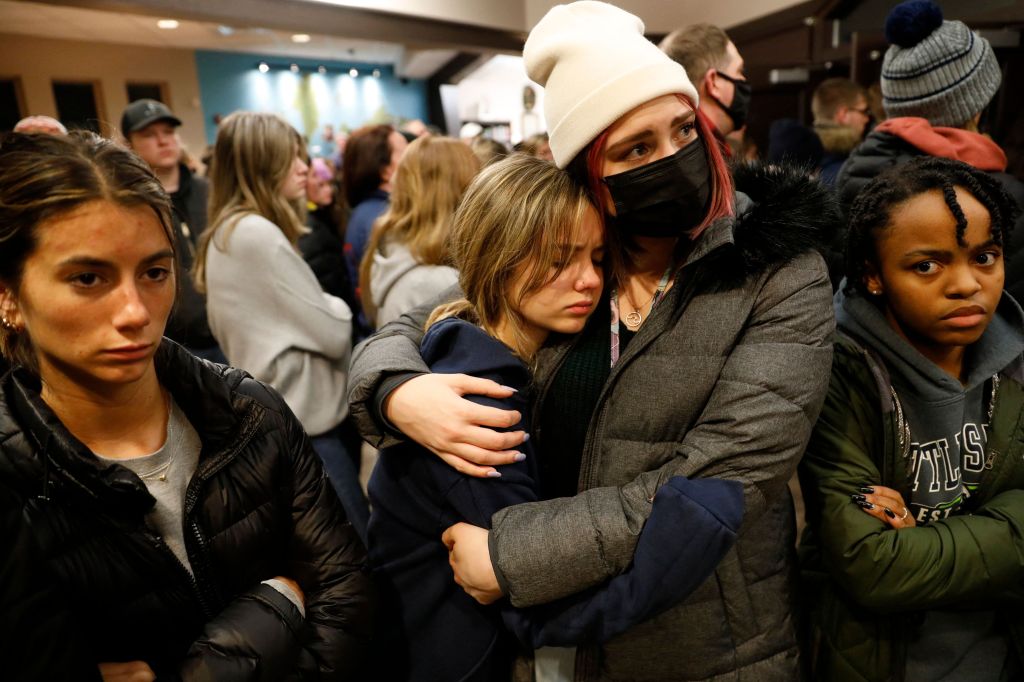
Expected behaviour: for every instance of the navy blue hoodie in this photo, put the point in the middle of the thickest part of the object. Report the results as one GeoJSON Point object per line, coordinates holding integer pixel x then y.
{"type": "Point", "coordinates": [435, 631]}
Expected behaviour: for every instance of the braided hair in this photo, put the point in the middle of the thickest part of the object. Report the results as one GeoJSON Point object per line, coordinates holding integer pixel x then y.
{"type": "Point", "coordinates": [872, 209]}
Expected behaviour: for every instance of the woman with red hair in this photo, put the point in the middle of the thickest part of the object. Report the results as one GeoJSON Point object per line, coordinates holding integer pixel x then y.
{"type": "Point", "coordinates": [708, 357]}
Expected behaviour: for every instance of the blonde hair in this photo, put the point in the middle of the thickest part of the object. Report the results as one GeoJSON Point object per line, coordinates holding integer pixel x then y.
{"type": "Point", "coordinates": [428, 183]}
{"type": "Point", "coordinates": [519, 213]}
{"type": "Point", "coordinates": [252, 158]}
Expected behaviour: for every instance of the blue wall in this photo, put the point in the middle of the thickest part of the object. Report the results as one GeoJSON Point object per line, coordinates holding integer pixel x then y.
{"type": "Point", "coordinates": [229, 81]}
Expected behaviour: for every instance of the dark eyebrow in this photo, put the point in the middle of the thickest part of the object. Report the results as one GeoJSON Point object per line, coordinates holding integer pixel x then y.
{"type": "Point", "coordinates": [647, 132]}
{"type": "Point", "coordinates": [86, 261]}
{"type": "Point", "coordinates": [929, 253]}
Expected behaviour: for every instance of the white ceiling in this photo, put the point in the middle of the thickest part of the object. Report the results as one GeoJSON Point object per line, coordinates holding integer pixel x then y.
{"type": "Point", "coordinates": [409, 58]}
{"type": "Point", "coordinates": [73, 23]}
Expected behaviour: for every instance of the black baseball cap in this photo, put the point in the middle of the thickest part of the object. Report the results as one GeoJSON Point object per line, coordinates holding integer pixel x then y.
{"type": "Point", "coordinates": [142, 112]}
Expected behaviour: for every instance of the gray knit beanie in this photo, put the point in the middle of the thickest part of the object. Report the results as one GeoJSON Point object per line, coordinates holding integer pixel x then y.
{"type": "Point", "coordinates": [934, 69]}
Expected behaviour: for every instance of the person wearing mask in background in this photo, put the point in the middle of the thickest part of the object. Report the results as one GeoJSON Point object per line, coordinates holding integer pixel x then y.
{"type": "Point", "coordinates": [371, 158]}
{"type": "Point", "coordinates": [715, 66]}
{"type": "Point", "coordinates": [151, 131]}
{"type": "Point", "coordinates": [322, 246]}
{"type": "Point", "coordinates": [841, 115]}
{"type": "Point", "coordinates": [937, 78]}
{"type": "Point", "coordinates": [169, 511]}
{"type": "Point", "coordinates": [266, 307]}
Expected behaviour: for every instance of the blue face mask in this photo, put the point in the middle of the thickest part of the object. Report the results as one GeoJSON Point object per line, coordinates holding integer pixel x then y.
{"type": "Point", "coordinates": [666, 198]}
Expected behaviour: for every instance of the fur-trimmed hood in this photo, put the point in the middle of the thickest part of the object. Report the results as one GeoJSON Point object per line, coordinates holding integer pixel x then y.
{"type": "Point", "coordinates": [781, 213]}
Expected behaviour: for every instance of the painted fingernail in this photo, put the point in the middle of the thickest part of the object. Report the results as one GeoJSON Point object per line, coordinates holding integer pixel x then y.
{"type": "Point", "coordinates": [866, 489]}
{"type": "Point", "coordinates": [509, 388]}
{"type": "Point", "coordinates": [520, 456]}
{"type": "Point", "coordinates": [493, 474]}
{"type": "Point", "coordinates": [526, 437]}
{"type": "Point", "coordinates": [866, 505]}
{"type": "Point", "coordinates": [857, 497]}
{"type": "Point", "coordinates": [889, 513]}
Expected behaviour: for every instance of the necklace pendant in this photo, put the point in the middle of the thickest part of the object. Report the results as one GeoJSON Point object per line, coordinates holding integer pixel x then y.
{"type": "Point", "coordinates": [633, 319]}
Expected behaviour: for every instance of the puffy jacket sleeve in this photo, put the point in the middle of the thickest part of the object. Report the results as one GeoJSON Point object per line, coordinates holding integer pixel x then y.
{"type": "Point", "coordinates": [258, 636]}
{"type": "Point", "coordinates": [39, 638]}
{"type": "Point", "coordinates": [393, 351]}
{"type": "Point", "coordinates": [754, 429]}
{"type": "Point", "coordinates": [965, 558]}
{"type": "Point", "coordinates": [327, 559]}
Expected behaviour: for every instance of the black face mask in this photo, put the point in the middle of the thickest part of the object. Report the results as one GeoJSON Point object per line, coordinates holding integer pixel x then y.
{"type": "Point", "coordinates": [740, 107]}
{"type": "Point", "coordinates": [666, 198]}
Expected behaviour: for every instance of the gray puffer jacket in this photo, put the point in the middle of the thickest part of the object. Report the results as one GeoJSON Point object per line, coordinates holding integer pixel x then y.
{"type": "Point", "coordinates": [725, 379]}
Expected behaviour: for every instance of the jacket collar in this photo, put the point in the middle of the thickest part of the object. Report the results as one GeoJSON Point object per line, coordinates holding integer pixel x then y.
{"type": "Point", "coordinates": [204, 391]}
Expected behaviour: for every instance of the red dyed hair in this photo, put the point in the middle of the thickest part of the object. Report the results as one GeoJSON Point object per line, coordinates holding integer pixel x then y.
{"type": "Point", "coordinates": [721, 203]}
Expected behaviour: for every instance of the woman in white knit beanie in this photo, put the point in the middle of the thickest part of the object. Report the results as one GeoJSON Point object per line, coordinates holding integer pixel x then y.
{"type": "Point", "coordinates": [709, 357]}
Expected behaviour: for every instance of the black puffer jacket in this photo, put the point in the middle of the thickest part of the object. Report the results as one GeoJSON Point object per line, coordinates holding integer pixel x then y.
{"type": "Point", "coordinates": [258, 506]}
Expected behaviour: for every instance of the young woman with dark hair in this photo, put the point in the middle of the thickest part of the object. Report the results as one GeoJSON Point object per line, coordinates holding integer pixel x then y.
{"type": "Point", "coordinates": [368, 168]}
{"type": "Point", "coordinates": [914, 476]}
{"type": "Point", "coordinates": [171, 510]}
{"type": "Point", "coordinates": [708, 357]}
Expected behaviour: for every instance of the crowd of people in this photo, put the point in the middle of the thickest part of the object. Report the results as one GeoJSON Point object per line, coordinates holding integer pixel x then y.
{"type": "Point", "coordinates": [581, 376]}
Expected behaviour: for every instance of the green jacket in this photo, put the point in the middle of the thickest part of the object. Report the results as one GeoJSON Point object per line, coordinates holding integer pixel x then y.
{"type": "Point", "coordinates": [865, 585]}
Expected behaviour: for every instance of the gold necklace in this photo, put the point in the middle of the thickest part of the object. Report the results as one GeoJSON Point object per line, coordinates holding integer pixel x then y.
{"type": "Point", "coordinates": [634, 319]}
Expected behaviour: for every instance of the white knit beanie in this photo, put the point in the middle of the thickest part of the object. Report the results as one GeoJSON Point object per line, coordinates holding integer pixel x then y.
{"type": "Point", "coordinates": [595, 64]}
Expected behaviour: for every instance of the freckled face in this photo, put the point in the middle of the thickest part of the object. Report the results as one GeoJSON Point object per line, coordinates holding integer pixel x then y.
{"type": "Point", "coordinates": [96, 292]}
{"type": "Point", "coordinates": [938, 294]}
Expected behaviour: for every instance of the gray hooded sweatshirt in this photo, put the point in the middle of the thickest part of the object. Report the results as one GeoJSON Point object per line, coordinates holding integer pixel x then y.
{"type": "Point", "coordinates": [948, 433]}
{"type": "Point", "coordinates": [399, 283]}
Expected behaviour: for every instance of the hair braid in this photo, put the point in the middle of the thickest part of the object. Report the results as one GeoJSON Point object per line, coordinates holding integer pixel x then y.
{"type": "Point", "coordinates": [872, 209]}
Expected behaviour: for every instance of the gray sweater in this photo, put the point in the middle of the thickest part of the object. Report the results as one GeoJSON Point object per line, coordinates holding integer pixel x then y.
{"type": "Point", "coordinates": [272, 319]}
{"type": "Point", "coordinates": [399, 283]}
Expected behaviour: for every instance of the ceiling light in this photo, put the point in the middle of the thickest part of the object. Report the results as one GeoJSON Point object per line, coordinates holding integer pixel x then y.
{"type": "Point", "coordinates": [300, 38]}
{"type": "Point", "coordinates": [263, 67]}
{"type": "Point", "coordinates": [294, 68]}
{"type": "Point", "coordinates": [322, 69]}
{"type": "Point", "coordinates": [225, 30]}
{"type": "Point", "coordinates": [376, 73]}
{"type": "Point", "coordinates": [353, 72]}
{"type": "Point", "coordinates": [167, 23]}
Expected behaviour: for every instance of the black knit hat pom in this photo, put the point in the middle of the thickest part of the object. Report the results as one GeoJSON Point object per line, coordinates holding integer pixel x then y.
{"type": "Point", "coordinates": [911, 22]}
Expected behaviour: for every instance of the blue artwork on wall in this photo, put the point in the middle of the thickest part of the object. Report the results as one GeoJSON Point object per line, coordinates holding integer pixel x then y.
{"type": "Point", "coordinates": [308, 93]}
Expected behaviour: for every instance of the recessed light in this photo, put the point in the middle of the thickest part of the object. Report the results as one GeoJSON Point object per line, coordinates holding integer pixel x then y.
{"type": "Point", "coordinates": [294, 68]}
{"type": "Point", "coordinates": [167, 23]}
{"type": "Point", "coordinates": [353, 72]}
{"type": "Point", "coordinates": [300, 38]}
{"type": "Point", "coordinates": [263, 67]}
{"type": "Point", "coordinates": [376, 73]}
{"type": "Point", "coordinates": [322, 69]}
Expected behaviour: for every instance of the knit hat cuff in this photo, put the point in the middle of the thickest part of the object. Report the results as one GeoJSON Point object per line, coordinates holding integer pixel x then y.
{"type": "Point", "coordinates": [600, 108]}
